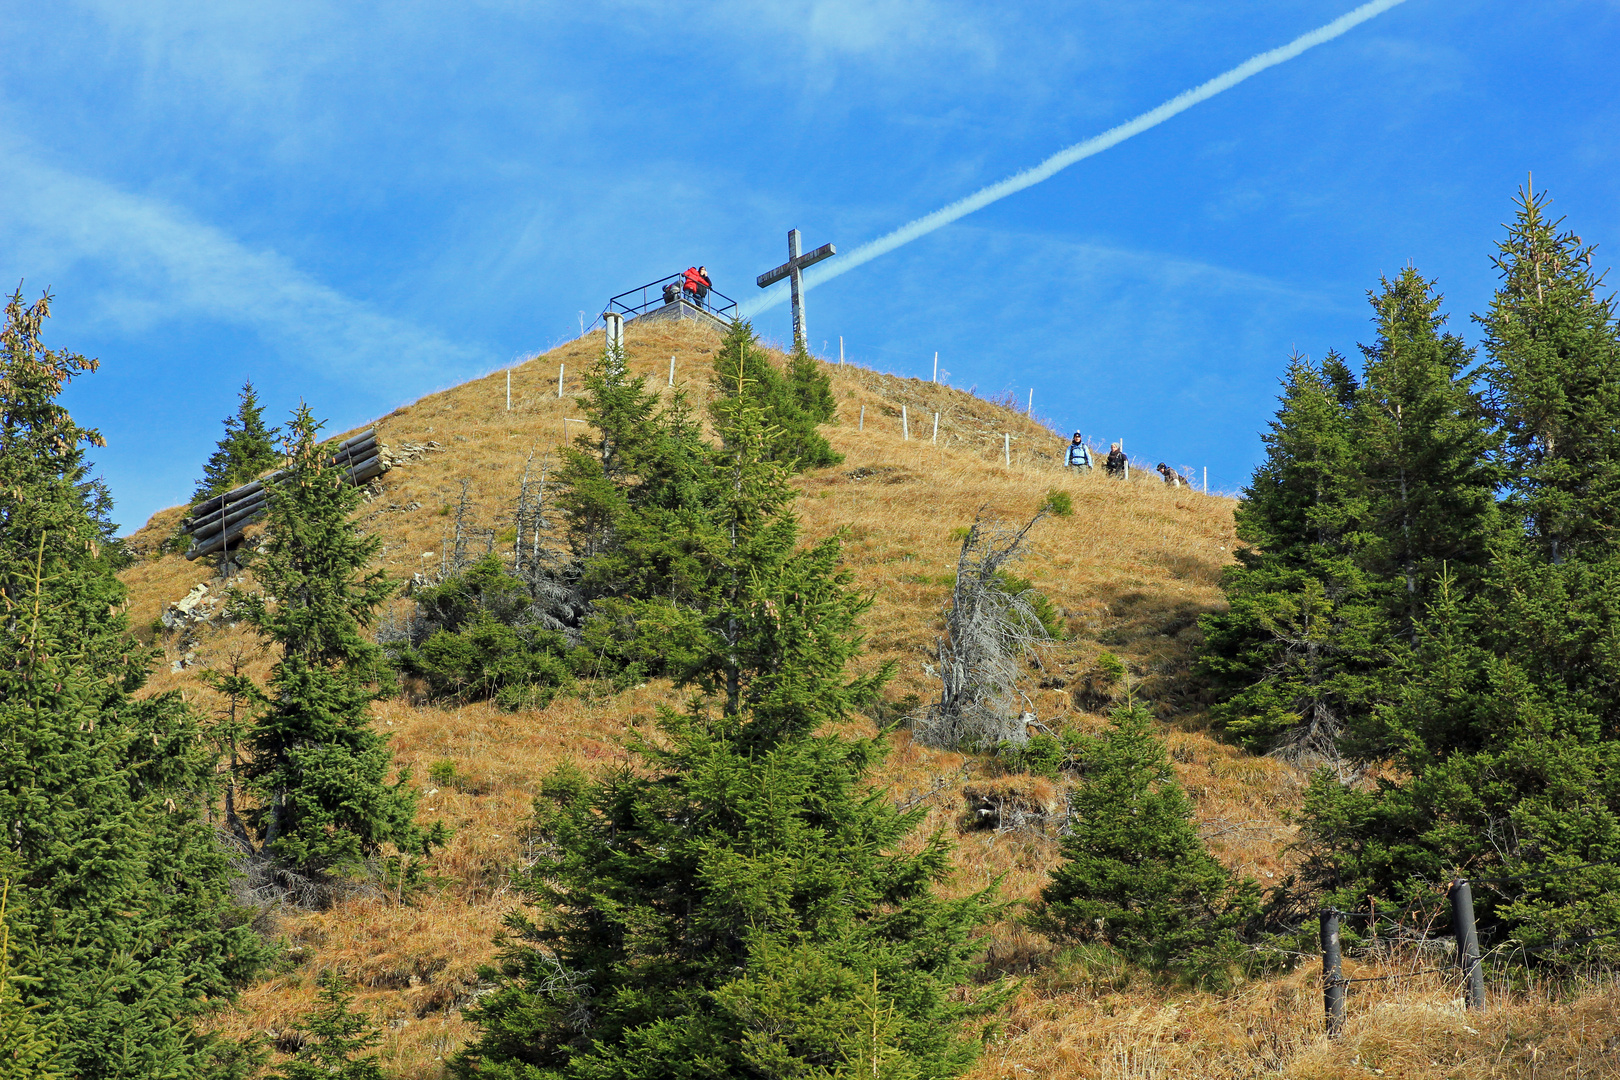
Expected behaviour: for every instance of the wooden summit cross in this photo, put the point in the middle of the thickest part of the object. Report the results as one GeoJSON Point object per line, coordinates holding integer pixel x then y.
{"type": "Point", "coordinates": [793, 270]}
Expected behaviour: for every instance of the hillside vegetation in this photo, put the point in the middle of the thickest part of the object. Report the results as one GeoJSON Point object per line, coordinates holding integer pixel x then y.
{"type": "Point", "coordinates": [1129, 573]}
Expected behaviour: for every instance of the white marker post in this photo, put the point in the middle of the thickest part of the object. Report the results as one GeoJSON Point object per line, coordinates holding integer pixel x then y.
{"type": "Point", "coordinates": [840, 348]}
{"type": "Point", "coordinates": [559, 380]}
{"type": "Point", "coordinates": [905, 427]}
{"type": "Point", "coordinates": [1006, 448]}
{"type": "Point", "coordinates": [936, 367]}
{"type": "Point", "coordinates": [1031, 409]}
{"type": "Point", "coordinates": [936, 429]}
{"type": "Point", "coordinates": [508, 391]}
{"type": "Point", "coordinates": [1206, 479]}
{"type": "Point", "coordinates": [862, 425]}
{"type": "Point", "coordinates": [672, 371]}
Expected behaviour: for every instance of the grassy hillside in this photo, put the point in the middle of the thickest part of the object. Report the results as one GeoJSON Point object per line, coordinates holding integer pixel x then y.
{"type": "Point", "coordinates": [1130, 572]}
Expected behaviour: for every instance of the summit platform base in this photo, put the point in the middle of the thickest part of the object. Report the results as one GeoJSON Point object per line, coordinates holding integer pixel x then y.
{"type": "Point", "coordinates": [683, 309]}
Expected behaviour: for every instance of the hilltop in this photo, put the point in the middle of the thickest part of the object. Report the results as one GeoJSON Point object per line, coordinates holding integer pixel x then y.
{"type": "Point", "coordinates": [1129, 572]}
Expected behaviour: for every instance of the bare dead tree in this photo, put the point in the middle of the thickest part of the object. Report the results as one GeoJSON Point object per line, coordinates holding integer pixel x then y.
{"type": "Point", "coordinates": [988, 632]}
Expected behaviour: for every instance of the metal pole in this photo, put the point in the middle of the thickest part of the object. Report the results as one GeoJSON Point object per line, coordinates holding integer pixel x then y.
{"type": "Point", "coordinates": [508, 391]}
{"type": "Point", "coordinates": [1332, 975]}
{"type": "Point", "coordinates": [905, 427]}
{"type": "Point", "coordinates": [840, 348]}
{"type": "Point", "coordinates": [1206, 479]}
{"type": "Point", "coordinates": [862, 425]}
{"type": "Point", "coordinates": [936, 429]}
{"type": "Point", "coordinates": [936, 367]}
{"type": "Point", "coordinates": [559, 384]}
{"type": "Point", "coordinates": [1462, 924]}
{"type": "Point", "coordinates": [1031, 409]}
{"type": "Point", "coordinates": [1006, 448]}
{"type": "Point", "coordinates": [672, 371]}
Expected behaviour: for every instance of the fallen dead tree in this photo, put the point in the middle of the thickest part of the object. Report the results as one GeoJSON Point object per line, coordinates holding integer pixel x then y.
{"type": "Point", "coordinates": [988, 632]}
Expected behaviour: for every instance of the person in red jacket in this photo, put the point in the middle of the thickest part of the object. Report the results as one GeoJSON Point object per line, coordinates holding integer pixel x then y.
{"type": "Point", "coordinates": [691, 282]}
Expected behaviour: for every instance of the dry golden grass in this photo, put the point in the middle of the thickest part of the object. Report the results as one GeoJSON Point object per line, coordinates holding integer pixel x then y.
{"type": "Point", "coordinates": [1130, 571]}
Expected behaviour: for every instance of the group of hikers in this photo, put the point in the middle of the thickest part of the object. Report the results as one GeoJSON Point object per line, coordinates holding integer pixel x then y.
{"type": "Point", "coordinates": [1116, 464]}
{"type": "Point", "coordinates": [693, 286]}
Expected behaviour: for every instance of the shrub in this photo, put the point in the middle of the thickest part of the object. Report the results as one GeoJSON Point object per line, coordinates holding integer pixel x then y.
{"type": "Point", "coordinates": [1058, 503]}
{"type": "Point", "coordinates": [482, 634]}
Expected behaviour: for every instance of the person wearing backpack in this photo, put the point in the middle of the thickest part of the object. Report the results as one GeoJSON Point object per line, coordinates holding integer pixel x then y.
{"type": "Point", "coordinates": [1079, 454]}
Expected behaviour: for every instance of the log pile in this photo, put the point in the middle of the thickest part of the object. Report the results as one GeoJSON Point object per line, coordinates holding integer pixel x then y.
{"type": "Point", "coordinates": [221, 520]}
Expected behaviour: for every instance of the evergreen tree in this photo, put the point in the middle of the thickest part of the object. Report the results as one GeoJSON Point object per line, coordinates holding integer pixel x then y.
{"type": "Point", "coordinates": [1426, 453]}
{"type": "Point", "coordinates": [739, 902]}
{"type": "Point", "coordinates": [317, 766]}
{"type": "Point", "coordinates": [1297, 652]}
{"type": "Point", "coordinates": [792, 407]}
{"type": "Point", "coordinates": [334, 1034]}
{"type": "Point", "coordinates": [118, 909]}
{"type": "Point", "coordinates": [1135, 873]}
{"type": "Point", "coordinates": [1554, 376]}
{"type": "Point", "coordinates": [247, 449]}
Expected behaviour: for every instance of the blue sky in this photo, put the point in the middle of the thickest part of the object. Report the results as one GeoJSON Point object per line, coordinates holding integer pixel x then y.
{"type": "Point", "coordinates": [358, 204]}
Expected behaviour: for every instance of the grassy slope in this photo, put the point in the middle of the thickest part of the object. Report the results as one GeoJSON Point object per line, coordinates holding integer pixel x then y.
{"type": "Point", "coordinates": [1131, 570]}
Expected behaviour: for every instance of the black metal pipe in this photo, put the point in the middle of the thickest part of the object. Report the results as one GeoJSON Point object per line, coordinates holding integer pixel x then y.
{"type": "Point", "coordinates": [1332, 974]}
{"type": "Point", "coordinates": [357, 446]}
{"type": "Point", "coordinates": [214, 539]}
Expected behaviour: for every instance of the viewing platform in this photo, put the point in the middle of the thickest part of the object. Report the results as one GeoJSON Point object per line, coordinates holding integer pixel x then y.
{"type": "Point", "coordinates": [647, 303]}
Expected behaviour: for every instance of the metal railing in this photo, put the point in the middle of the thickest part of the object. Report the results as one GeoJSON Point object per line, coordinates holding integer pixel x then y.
{"type": "Point", "coordinates": [651, 296]}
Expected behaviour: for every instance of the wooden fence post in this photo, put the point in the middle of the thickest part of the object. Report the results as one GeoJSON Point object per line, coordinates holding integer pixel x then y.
{"type": "Point", "coordinates": [1332, 974]}
{"type": "Point", "coordinates": [1462, 924]}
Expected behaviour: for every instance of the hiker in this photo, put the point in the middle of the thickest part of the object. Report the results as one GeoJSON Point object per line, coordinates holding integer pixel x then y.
{"type": "Point", "coordinates": [672, 291]}
{"type": "Point", "coordinates": [704, 285]}
{"type": "Point", "coordinates": [1170, 475]}
{"type": "Point", "coordinates": [1114, 465]}
{"type": "Point", "coordinates": [690, 281]}
{"type": "Point", "coordinates": [1079, 453]}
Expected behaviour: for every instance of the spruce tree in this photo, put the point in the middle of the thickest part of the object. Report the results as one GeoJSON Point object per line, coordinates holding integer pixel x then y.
{"type": "Point", "coordinates": [1297, 652]}
{"type": "Point", "coordinates": [1427, 452]}
{"type": "Point", "coordinates": [792, 407]}
{"type": "Point", "coordinates": [247, 449]}
{"type": "Point", "coordinates": [738, 902]}
{"type": "Point", "coordinates": [319, 770]}
{"type": "Point", "coordinates": [1135, 873]}
{"type": "Point", "coordinates": [118, 911]}
{"type": "Point", "coordinates": [1553, 370]}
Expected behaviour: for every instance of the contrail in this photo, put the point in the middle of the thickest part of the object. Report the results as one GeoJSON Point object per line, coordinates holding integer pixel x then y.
{"type": "Point", "coordinates": [1078, 152]}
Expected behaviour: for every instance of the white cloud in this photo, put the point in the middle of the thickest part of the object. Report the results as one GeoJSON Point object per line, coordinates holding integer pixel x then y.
{"type": "Point", "coordinates": [154, 263]}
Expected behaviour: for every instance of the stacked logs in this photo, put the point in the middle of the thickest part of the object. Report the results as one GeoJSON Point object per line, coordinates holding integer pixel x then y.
{"type": "Point", "coordinates": [221, 521]}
